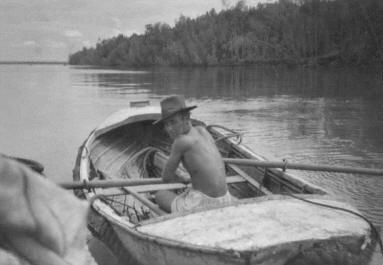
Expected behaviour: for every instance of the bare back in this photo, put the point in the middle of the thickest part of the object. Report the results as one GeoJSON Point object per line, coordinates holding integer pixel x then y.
{"type": "Point", "coordinates": [204, 162]}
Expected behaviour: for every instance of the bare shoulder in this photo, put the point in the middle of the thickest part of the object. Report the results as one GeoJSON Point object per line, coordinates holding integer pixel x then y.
{"type": "Point", "coordinates": [201, 129]}
{"type": "Point", "coordinates": [182, 143]}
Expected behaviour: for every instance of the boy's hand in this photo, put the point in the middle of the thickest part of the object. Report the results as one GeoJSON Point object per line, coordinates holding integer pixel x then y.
{"type": "Point", "coordinates": [185, 179]}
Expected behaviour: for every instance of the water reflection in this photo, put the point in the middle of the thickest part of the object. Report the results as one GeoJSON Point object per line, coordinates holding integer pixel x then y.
{"type": "Point", "coordinates": [249, 82]}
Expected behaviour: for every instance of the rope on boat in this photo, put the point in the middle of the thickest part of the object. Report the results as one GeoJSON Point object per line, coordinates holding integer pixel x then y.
{"type": "Point", "coordinates": [146, 152]}
{"type": "Point", "coordinates": [144, 215]}
{"type": "Point", "coordinates": [373, 228]}
{"type": "Point", "coordinates": [149, 151]}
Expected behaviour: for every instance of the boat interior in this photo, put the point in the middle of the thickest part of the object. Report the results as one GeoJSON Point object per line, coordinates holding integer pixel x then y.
{"type": "Point", "coordinates": [140, 150]}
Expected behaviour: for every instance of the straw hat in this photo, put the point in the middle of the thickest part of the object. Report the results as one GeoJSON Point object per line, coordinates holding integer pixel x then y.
{"type": "Point", "coordinates": [172, 105]}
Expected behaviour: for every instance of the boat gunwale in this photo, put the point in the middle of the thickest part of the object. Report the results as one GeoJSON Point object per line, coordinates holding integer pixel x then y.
{"type": "Point", "coordinates": [136, 115]}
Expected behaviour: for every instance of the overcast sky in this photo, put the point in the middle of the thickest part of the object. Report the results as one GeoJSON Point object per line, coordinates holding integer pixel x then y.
{"type": "Point", "coordinates": [52, 29]}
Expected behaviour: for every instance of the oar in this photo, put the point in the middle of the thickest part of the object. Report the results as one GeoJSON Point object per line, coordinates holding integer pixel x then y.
{"type": "Point", "coordinates": [298, 166]}
{"type": "Point", "coordinates": [146, 184]}
{"type": "Point", "coordinates": [122, 183]}
{"type": "Point", "coordinates": [109, 183]}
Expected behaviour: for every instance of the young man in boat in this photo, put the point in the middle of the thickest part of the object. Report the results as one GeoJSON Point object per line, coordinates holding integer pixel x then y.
{"type": "Point", "coordinates": [196, 149]}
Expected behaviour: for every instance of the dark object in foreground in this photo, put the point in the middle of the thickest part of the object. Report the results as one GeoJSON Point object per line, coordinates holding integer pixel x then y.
{"type": "Point", "coordinates": [32, 164]}
{"type": "Point", "coordinates": [40, 223]}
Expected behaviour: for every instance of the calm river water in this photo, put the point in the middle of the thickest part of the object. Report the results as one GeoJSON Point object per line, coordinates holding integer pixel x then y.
{"type": "Point", "coordinates": [321, 116]}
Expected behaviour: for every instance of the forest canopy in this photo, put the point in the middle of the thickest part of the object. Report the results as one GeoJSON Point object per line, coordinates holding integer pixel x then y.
{"type": "Point", "coordinates": [288, 31]}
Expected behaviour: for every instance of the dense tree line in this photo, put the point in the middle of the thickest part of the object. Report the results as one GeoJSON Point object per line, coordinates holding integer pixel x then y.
{"type": "Point", "coordinates": [288, 31]}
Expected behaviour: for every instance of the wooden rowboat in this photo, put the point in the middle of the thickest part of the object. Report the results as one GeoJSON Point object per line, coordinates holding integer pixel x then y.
{"type": "Point", "coordinates": [267, 224]}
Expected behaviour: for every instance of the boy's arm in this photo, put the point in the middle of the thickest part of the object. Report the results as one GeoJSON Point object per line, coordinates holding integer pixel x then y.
{"type": "Point", "coordinates": [179, 147]}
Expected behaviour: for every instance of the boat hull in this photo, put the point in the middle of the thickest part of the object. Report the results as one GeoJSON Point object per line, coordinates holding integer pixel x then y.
{"type": "Point", "coordinates": [136, 250]}
{"type": "Point", "coordinates": [134, 246]}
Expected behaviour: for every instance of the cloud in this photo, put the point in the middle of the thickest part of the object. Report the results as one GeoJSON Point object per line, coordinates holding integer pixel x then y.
{"type": "Point", "coordinates": [86, 43]}
{"type": "Point", "coordinates": [131, 32]}
{"type": "Point", "coordinates": [26, 44]}
{"type": "Point", "coordinates": [47, 43]}
{"type": "Point", "coordinates": [117, 22]}
{"type": "Point", "coordinates": [116, 32]}
{"type": "Point", "coordinates": [73, 33]}
{"type": "Point", "coordinates": [55, 44]}
{"type": "Point", "coordinates": [29, 43]}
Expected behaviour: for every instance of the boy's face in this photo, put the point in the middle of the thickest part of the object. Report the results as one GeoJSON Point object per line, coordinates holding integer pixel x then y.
{"type": "Point", "coordinates": [175, 125]}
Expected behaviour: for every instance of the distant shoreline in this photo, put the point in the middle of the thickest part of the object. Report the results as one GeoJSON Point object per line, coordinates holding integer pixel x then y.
{"type": "Point", "coordinates": [33, 62]}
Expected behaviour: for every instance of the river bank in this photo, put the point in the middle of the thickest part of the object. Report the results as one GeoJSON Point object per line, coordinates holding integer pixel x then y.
{"type": "Point", "coordinates": [304, 32]}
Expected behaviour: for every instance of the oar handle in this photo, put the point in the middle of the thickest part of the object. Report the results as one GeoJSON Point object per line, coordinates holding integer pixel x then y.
{"type": "Point", "coordinates": [122, 184]}
{"type": "Point", "coordinates": [109, 183]}
{"type": "Point", "coordinates": [298, 166]}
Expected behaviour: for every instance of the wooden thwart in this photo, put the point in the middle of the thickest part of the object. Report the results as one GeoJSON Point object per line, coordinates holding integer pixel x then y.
{"type": "Point", "coordinates": [298, 166]}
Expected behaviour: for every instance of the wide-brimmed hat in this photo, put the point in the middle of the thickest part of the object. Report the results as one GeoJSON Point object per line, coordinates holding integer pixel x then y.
{"type": "Point", "coordinates": [172, 105]}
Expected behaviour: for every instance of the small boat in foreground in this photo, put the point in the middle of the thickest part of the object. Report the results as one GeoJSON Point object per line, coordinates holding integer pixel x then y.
{"type": "Point", "coordinates": [268, 224]}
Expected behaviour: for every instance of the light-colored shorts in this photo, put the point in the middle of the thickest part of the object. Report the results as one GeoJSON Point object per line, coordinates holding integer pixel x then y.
{"type": "Point", "coordinates": [191, 199]}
